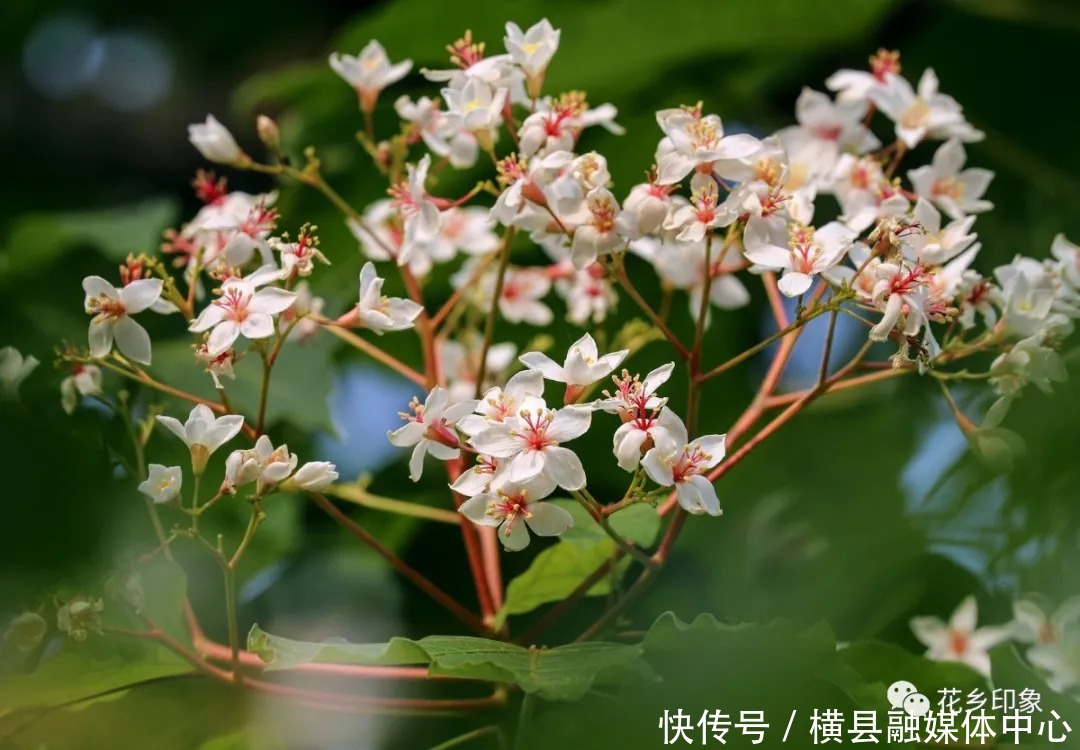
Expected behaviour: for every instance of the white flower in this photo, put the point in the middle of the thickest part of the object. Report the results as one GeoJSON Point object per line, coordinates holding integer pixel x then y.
{"type": "Point", "coordinates": [218, 366]}
{"type": "Point", "coordinates": [85, 380]}
{"type": "Point", "coordinates": [430, 428]}
{"type": "Point", "coordinates": [14, 369]}
{"type": "Point", "coordinates": [865, 195]}
{"type": "Point", "coordinates": [675, 460]}
{"type": "Point", "coordinates": [959, 640]}
{"type": "Point", "coordinates": [312, 477]}
{"type": "Point", "coordinates": [702, 214]}
{"type": "Point", "coordinates": [936, 244]}
{"type": "Point", "coordinates": [587, 293]}
{"type": "Point", "coordinates": [264, 464]}
{"type": "Point", "coordinates": [856, 85]}
{"type": "Point", "coordinates": [381, 313]}
{"type": "Point", "coordinates": [532, 439]}
{"type": "Point", "coordinates": [1068, 256]}
{"type": "Point", "coordinates": [899, 291]}
{"type": "Point", "coordinates": [370, 72]}
{"type": "Point", "coordinates": [1028, 361]}
{"type": "Point", "coordinates": [515, 505]}
{"type": "Point", "coordinates": [203, 433]}
{"type": "Point", "coordinates": [805, 253]}
{"type": "Point", "coordinates": [839, 123]}
{"type": "Point", "coordinates": [957, 191]}
{"type": "Point", "coordinates": [532, 49]}
{"type": "Point", "coordinates": [926, 113]}
{"type": "Point", "coordinates": [644, 210]}
{"type": "Point", "coordinates": [582, 367]}
{"type": "Point", "coordinates": [597, 236]}
{"type": "Point", "coordinates": [639, 408]}
{"type": "Point", "coordinates": [523, 291]}
{"type": "Point", "coordinates": [500, 403]}
{"type": "Point", "coordinates": [696, 142]}
{"type": "Point", "coordinates": [243, 309]}
{"type": "Point", "coordinates": [420, 214]}
{"type": "Point", "coordinates": [162, 484]}
{"type": "Point", "coordinates": [215, 142]}
{"type": "Point", "coordinates": [1029, 299]}
{"type": "Point", "coordinates": [475, 107]}
{"type": "Point", "coordinates": [298, 258]}
{"type": "Point", "coordinates": [112, 309]}
{"type": "Point", "coordinates": [1031, 624]}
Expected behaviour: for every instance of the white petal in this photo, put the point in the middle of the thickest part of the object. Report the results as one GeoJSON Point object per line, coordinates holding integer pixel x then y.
{"type": "Point", "coordinates": [475, 510]}
{"type": "Point", "coordinates": [173, 425]}
{"type": "Point", "coordinates": [563, 466]}
{"type": "Point", "coordinates": [140, 294]}
{"type": "Point", "coordinates": [543, 364]}
{"type": "Point", "coordinates": [271, 301]}
{"type": "Point", "coordinates": [657, 468]}
{"type": "Point", "coordinates": [931, 631]}
{"type": "Point", "coordinates": [706, 493]}
{"type": "Point", "coordinates": [222, 431]}
{"type": "Point", "coordinates": [793, 283]}
{"type": "Point", "coordinates": [569, 422]}
{"type": "Point", "coordinates": [514, 538]}
{"type": "Point", "coordinates": [223, 336]}
{"type": "Point", "coordinates": [132, 340]}
{"type": "Point", "coordinates": [101, 338]}
{"type": "Point", "coordinates": [526, 465]}
{"type": "Point", "coordinates": [256, 326]}
{"type": "Point", "coordinates": [966, 616]}
{"type": "Point", "coordinates": [416, 460]}
{"type": "Point", "coordinates": [548, 519]}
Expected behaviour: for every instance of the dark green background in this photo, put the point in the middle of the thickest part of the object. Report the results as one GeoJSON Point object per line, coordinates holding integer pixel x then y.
{"type": "Point", "coordinates": [817, 525]}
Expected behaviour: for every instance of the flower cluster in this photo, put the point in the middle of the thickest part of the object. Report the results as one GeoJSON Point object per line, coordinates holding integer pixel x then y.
{"type": "Point", "coordinates": [1050, 635]}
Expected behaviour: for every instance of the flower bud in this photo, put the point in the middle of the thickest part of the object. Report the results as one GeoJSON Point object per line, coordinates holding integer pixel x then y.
{"type": "Point", "coordinates": [268, 133]}
{"type": "Point", "coordinates": [215, 142]}
{"type": "Point", "coordinates": [312, 477]}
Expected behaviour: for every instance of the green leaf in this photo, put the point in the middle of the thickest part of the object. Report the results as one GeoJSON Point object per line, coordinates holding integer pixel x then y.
{"type": "Point", "coordinates": [558, 570]}
{"type": "Point", "coordinates": [107, 663]}
{"type": "Point", "coordinates": [38, 239]}
{"type": "Point", "coordinates": [637, 523]}
{"type": "Point", "coordinates": [562, 673]}
{"type": "Point", "coordinates": [299, 387]}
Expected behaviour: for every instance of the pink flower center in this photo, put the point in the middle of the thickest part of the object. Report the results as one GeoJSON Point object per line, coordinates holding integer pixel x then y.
{"type": "Point", "coordinates": [536, 428]}
{"type": "Point", "coordinates": [690, 462]}
{"type": "Point", "coordinates": [510, 507]}
{"type": "Point", "coordinates": [235, 303]}
{"type": "Point", "coordinates": [104, 307]}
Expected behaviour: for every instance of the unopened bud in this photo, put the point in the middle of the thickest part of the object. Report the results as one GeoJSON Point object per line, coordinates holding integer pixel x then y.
{"type": "Point", "coordinates": [268, 133]}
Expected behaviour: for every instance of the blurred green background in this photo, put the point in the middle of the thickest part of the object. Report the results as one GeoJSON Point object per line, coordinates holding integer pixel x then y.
{"type": "Point", "coordinates": [864, 512]}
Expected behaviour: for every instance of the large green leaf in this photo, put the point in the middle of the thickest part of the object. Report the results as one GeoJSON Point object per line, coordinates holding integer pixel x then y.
{"type": "Point", "coordinates": [37, 239]}
{"type": "Point", "coordinates": [562, 673]}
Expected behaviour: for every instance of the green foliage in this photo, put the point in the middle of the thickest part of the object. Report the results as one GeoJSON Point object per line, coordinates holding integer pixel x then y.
{"type": "Point", "coordinates": [102, 665]}
{"type": "Point", "coordinates": [299, 388]}
{"type": "Point", "coordinates": [563, 673]}
{"type": "Point", "coordinates": [36, 240]}
{"type": "Point", "coordinates": [558, 570]}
